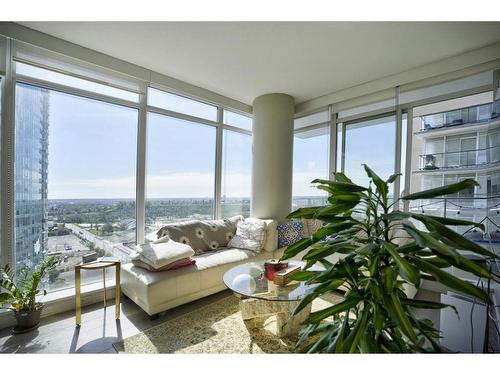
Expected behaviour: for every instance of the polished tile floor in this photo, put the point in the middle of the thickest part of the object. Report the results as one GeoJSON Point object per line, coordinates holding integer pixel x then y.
{"type": "Point", "coordinates": [99, 329]}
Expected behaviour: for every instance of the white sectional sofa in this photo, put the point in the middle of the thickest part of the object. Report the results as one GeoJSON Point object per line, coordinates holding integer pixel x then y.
{"type": "Point", "coordinates": [155, 292]}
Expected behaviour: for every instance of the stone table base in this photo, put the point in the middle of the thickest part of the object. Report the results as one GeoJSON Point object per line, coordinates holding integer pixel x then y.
{"type": "Point", "coordinates": [255, 312]}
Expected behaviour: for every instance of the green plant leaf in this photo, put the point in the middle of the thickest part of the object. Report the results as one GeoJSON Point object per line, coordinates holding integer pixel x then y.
{"type": "Point", "coordinates": [326, 250]}
{"type": "Point", "coordinates": [444, 190]}
{"type": "Point", "coordinates": [319, 290]}
{"type": "Point", "coordinates": [296, 248]}
{"type": "Point", "coordinates": [380, 184]}
{"type": "Point", "coordinates": [459, 241]}
{"type": "Point", "coordinates": [378, 317]}
{"type": "Point", "coordinates": [337, 345]}
{"type": "Point", "coordinates": [341, 177]}
{"type": "Point", "coordinates": [399, 215]}
{"type": "Point", "coordinates": [407, 271]}
{"type": "Point", "coordinates": [458, 222]}
{"type": "Point", "coordinates": [393, 177]}
{"type": "Point", "coordinates": [399, 316]}
{"type": "Point", "coordinates": [303, 275]}
{"type": "Point", "coordinates": [345, 198]}
{"type": "Point", "coordinates": [303, 213]}
{"type": "Point", "coordinates": [409, 248]}
{"type": "Point", "coordinates": [6, 298]}
{"type": "Point", "coordinates": [340, 186]}
{"type": "Point", "coordinates": [450, 280]}
{"type": "Point", "coordinates": [348, 303]}
{"type": "Point", "coordinates": [448, 253]}
{"type": "Point", "coordinates": [334, 209]}
{"type": "Point", "coordinates": [436, 261]}
{"type": "Point", "coordinates": [422, 304]}
{"type": "Point", "coordinates": [389, 277]}
{"type": "Point", "coordinates": [352, 341]}
{"type": "Point", "coordinates": [466, 265]}
{"type": "Point", "coordinates": [367, 249]}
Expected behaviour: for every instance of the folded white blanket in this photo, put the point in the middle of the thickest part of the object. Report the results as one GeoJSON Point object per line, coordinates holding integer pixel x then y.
{"type": "Point", "coordinates": [160, 254]}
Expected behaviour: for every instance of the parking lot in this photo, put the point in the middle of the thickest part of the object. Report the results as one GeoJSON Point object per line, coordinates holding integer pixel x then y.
{"type": "Point", "coordinates": [67, 243]}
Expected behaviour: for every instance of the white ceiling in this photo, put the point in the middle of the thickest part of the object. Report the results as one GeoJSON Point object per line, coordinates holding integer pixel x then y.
{"type": "Point", "coordinates": [304, 59]}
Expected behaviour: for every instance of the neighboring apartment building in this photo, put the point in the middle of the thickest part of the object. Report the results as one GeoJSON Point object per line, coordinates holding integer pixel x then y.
{"type": "Point", "coordinates": [32, 128]}
{"type": "Point", "coordinates": [455, 140]}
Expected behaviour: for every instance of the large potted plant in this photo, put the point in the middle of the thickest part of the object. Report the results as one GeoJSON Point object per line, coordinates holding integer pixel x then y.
{"type": "Point", "coordinates": [21, 295]}
{"type": "Point", "coordinates": [383, 252]}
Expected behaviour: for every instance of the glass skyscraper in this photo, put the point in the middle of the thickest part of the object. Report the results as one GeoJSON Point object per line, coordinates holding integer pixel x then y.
{"type": "Point", "coordinates": [32, 127]}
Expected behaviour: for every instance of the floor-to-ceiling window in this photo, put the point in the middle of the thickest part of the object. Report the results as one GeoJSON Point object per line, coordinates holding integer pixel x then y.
{"type": "Point", "coordinates": [236, 166]}
{"type": "Point", "coordinates": [311, 150]}
{"type": "Point", "coordinates": [82, 136]}
{"type": "Point", "coordinates": [180, 169]}
{"type": "Point", "coordinates": [370, 142]}
{"type": "Point", "coordinates": [75, 171]}
{"type": "Point", "coordinates": [180, 104]}
{"type": "Point", "coordinates": [453, 140]}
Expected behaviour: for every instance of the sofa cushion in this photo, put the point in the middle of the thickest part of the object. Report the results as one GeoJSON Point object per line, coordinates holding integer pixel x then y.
{"type": "Point", "coordinates": [250, 235]}
{"type": "Point", "coordinates": [153, 290]}
{"type": "Point", "coordinates": [311, 226]}
{"type": "Point", "coordinates": [202, 235]}
{"type": "Point", "coordinates": [290, 232]}
{"type": "Point", "coordinates": [185, 262]}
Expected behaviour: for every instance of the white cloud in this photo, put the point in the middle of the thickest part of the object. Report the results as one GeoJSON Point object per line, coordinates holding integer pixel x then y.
{"type": "Point", "coordinates": [302, 183]}
{"type": "Point", "coordinates": [175, 184]}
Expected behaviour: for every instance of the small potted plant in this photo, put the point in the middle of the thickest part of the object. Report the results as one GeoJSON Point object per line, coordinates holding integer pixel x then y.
{"type": "Point", "coordinates": [21, 295]}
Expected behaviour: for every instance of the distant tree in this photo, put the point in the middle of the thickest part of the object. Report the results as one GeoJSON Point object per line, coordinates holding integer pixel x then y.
{"type": "Point", "coordinates": [54, 274]}
{"type": "Point", "coordinates": [63, 232]}
{"type": "Point", "coordinates": [107, 228]}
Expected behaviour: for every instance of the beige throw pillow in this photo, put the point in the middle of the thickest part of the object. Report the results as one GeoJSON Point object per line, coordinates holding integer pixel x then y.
{"type": "Point", "coordinates": [250, 235]}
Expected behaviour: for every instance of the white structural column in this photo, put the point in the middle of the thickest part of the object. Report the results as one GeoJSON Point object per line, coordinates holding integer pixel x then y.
{"type": "Point", "coordinates": [272, 156]}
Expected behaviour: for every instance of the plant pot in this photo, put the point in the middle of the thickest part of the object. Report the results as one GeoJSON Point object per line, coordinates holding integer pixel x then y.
{"type": "Point", "coordinates": [28, 320]}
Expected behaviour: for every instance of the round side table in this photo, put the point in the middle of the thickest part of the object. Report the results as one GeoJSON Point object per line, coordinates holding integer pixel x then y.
{"type": "Point", "coordinates": [97, 265]}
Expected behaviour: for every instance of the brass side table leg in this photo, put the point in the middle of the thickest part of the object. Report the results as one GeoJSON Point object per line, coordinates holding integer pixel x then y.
{"type": "Point", "coordinates": [78, 297]}
{"type": "Point", "coordinates": [104, 283]}
{"type": "Point", "coordinates": [117, 291]}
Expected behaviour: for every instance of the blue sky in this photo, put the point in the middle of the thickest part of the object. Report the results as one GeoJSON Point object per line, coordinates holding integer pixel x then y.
{"type": "Point", "coordinates": [310, 161]}
{"type": "Point", "coordinates": [371, 143]}
{"type": "Point", "coordinates": [92, 154]}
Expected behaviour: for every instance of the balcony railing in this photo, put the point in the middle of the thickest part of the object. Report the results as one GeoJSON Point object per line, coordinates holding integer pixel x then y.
{"type": "Point", "coordinates": [461, 116]}
{"type": "Point", "coordinates": [485, 210]}
{"type": "Point", "coordinates": [460, 159]}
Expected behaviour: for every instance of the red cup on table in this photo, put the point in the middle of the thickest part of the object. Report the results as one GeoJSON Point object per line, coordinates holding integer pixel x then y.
{"type": "Point", "coordinates": [272, 266]}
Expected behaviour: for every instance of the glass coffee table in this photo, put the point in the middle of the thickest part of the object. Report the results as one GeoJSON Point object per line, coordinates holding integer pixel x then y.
{"type": "Point", "coordinates": [260, 298]}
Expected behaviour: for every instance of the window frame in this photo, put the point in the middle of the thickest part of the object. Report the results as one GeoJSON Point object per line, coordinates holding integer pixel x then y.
{"type": "Point", "coordinates": [10, 78]}
{"type": "Point", "coordinates": [330, 126]}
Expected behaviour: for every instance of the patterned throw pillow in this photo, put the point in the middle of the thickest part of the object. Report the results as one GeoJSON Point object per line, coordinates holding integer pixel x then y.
{"type": "Point", "coordinates": [202, 236]}
{"type": "Point", "coordinates": [250, 235]}
{"type": "Point", "coordinates": [290, 232]}
{"type": "Point", "coordinates": [311, 226]}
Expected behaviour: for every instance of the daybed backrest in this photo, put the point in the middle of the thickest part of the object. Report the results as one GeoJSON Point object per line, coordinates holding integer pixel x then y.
{"type": "Point", "coordinates": [201, 235]}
